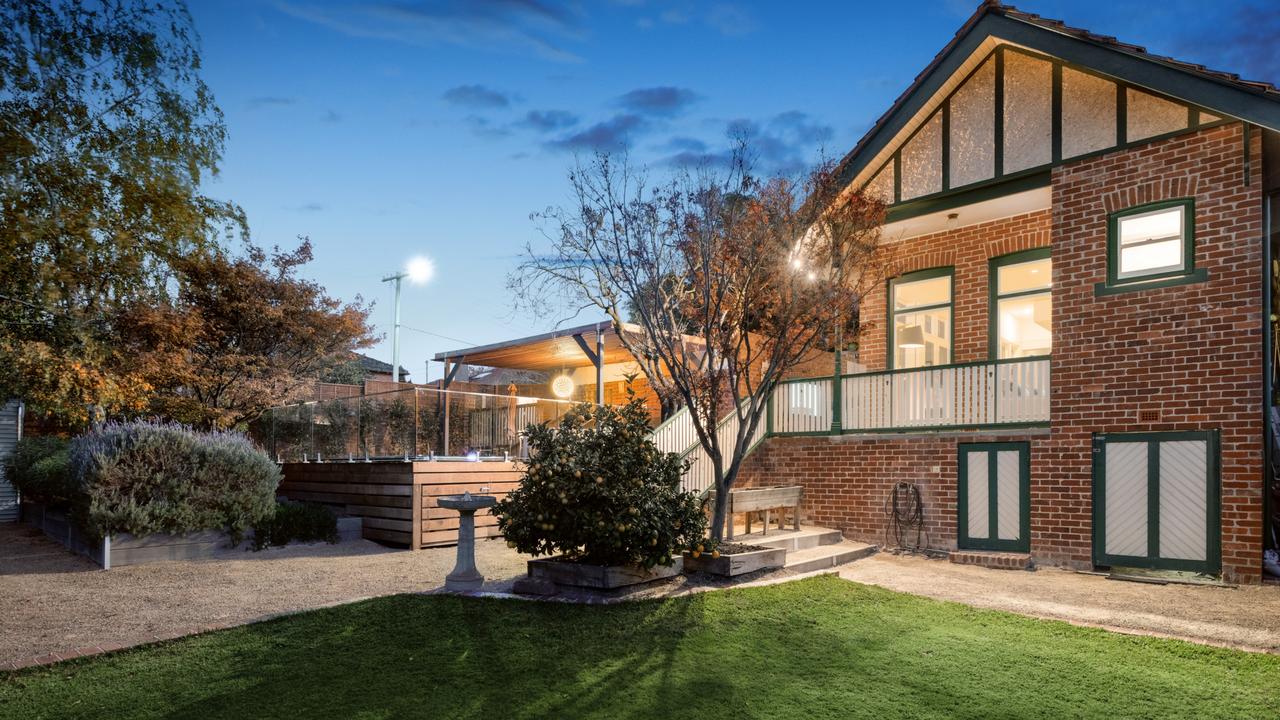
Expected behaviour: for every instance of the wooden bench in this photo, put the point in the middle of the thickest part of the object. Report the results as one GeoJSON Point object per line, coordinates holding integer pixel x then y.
{"type": "Point", "coordinates": [765, 500]}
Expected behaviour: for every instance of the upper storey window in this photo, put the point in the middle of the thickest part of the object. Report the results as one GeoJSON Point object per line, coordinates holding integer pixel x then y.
{"type": "Point", "coordinates": [1151, 241]}
{"type": "Point", "coordinates": [920, 313]}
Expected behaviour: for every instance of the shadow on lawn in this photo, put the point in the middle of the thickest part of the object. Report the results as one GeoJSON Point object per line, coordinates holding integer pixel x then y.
{"type": "Point", "coordinates": [415, 656]}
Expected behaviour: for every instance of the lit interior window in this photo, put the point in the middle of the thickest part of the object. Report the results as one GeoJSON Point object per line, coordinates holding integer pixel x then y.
{"type": "Point", "coordinates": [1024, 309]}
{"type": "Point", "coordinates": [1151, 243]}
{"type": "Point", "coordinates": [921, 322]}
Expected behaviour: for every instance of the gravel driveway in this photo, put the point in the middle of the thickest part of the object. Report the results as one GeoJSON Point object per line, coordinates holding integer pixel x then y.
{"type": "Point", "coordinates": [56, 602]}
{"type": "Point", "coordinates": [1246, 617]}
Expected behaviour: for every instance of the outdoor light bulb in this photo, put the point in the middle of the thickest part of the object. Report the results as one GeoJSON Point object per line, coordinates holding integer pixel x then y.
{"type": "Point", "coordinates": [421, 270]}
{"type": "Point", "coordinates": [812, 277]}
{"type": "Point", "coordinates": [562, 386]}
{"type": "Point", "coordinates": [796, 263]}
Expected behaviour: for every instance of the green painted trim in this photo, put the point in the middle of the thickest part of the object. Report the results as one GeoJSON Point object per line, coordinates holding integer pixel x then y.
{"type": "Point", "coordinates": [1212, 565]}
{"type": "Point", "coordinates": [992, 541]}
{"type": "Point", "coordinates": [998, 117]}
{"type": "Point", "coordinates": [927, 274]}
{"type": "Point", "coordinates": [1198, 276]}
{"type": "Point", "coordinates": [1055, 115]}
{"type": "Point", "coordinates": [972, 193]}
{"type": "Point", "coordinates": [994, 297]}
{"type": "Point", "coordinates": [1188, 206]}
{"type": "Point", "coordinates": [946, 143]}
{"type": "Point", "coordinates": [971, 363]}
{"type": "Point", "coordinates": [938, 428]}
{"type": "Point", "coordinates": [1122, 114]}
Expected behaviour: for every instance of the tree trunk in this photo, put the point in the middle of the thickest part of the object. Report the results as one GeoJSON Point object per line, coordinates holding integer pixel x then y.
{"type": "Point", "coordinates": [718, 513]}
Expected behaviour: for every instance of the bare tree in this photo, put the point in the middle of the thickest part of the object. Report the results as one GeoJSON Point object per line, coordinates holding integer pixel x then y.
{"type": "Point", "coordinates": [718, 282]}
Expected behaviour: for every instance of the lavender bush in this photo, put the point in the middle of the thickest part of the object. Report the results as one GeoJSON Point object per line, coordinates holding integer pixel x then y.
{"type": "Point", "coordinates": [144, 477]}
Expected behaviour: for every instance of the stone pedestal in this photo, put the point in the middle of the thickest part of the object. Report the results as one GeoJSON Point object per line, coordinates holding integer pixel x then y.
{"type": "Point", "coordinates": [465, 577]}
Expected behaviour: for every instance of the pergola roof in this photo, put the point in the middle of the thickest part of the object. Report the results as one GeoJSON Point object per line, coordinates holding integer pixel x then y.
{"type": "Point", "coordinates": [555, 350]}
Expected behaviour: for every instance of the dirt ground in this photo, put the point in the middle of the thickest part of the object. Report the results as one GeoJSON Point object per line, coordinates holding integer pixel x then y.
{"type": "Point", "coordinates": [1242, 617]}
{"type": "Point", "coordinates": [56, 602]}
{"type": "Point", "coordinates": [57, 605]}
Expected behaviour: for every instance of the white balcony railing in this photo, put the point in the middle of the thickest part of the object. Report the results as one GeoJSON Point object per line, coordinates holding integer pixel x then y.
{"type": "Point", "coordinates": [986, 394]}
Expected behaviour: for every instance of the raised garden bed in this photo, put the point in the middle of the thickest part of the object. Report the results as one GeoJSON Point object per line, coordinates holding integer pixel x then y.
{"type": "Point", "coordinates": [126, 549]}
{"type": "Point", "coordinates": [736, 559]}
{"type": "Point", "coordinates": [600, 577]}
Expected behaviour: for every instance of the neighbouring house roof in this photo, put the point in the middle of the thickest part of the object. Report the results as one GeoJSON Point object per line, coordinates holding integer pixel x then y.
{"type": "Point", "coordinates": [1254, 101]}
{"type": "Point", "coordinates": [375, 365]}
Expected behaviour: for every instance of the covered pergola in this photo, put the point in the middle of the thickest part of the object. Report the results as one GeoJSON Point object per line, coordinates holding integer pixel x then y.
{"type": "Point", "coordinates": [585, 346]}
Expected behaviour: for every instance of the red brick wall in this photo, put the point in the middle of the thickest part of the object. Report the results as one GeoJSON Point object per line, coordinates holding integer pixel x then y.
{"type": "Point", "coordinates": [1192, 353]}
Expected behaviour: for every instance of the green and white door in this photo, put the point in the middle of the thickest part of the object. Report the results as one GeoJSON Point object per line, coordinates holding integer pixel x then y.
{"type": "Point", "coordinates": [993, 497]}
{"type": "Point", "coordinates": [1156, 501]}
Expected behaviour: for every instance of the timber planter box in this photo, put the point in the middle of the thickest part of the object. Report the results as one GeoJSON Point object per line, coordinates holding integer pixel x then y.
{"type": "Point", "coordinates": [127, 549]}
{"type": "Point", "coordinates": [599, 577]}
{"type": "Point", "coordinates": [730, 564]}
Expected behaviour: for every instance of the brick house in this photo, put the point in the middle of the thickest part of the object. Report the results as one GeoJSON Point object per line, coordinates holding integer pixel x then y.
{"type": "Point", "coordinates": [1069, 360]}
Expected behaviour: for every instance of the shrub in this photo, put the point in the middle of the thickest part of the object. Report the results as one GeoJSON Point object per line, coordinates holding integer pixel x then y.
{"type": "Point", "coordinates": [595, 489]}
{"type": "Point", "coordinates": [144, 478]}
{"type": "Point", "coordinates": [38, 468]}
{"type": "Point", "coordinates": [304, 522]}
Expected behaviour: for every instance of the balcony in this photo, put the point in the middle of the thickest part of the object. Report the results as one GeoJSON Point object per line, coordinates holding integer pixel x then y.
{"type": "Point", "coordinates": [981, 395]}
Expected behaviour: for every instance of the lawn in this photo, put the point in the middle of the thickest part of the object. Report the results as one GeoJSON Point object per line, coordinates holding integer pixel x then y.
{"type": "Point", "coordinates": [819, 648]}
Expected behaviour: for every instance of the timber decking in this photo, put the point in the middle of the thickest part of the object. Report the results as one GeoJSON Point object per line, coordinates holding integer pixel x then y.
{"type": "Point", "coordinates": [397, 500]}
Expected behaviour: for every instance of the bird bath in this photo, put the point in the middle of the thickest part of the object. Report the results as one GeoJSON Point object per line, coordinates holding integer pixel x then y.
{"type": "Point", "coordinates": [465, 576]}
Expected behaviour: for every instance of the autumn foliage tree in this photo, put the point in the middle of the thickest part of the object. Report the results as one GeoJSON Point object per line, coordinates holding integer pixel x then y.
{"type": "Point", "coordinates": [117, 295]}
{"type": "Point", "coordinates": [242, 334]}
{"type": "Point", "coordinates": [729, 282]}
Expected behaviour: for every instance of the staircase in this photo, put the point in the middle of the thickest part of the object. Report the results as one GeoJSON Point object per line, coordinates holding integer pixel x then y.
{"type": "Point", "coordinates": [810, 548]}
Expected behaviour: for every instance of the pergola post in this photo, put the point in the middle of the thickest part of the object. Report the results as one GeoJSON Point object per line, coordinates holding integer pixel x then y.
{"type": "Point", "coordinates": [599, 363]}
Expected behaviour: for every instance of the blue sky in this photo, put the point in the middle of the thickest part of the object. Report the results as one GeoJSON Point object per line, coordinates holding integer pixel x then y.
{"type": "Point", "coordinates": [383, 130]}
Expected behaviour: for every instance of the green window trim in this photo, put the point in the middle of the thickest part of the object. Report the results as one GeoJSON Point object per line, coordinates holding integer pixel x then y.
{"type": "Point", "coordinates": [994, 297]}
{"type": "Point", "coordinates": [1212, 565]}
{"type": "Point", "coordinates": [891, 327]}
{"type": "Point", "coordinates": [1148, 280]}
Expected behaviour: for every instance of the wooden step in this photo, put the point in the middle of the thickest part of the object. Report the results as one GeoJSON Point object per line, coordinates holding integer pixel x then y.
{"type": "Point", "coordinates": [822, 557]}
{"type": "Point", "coordinates": [995, 560]}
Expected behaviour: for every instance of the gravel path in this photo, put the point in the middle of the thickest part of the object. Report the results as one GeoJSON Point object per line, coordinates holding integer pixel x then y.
{"type": "Point", "coordinates": [56, 602]}
{"type": "Point", "coordinates": [1242, 617]}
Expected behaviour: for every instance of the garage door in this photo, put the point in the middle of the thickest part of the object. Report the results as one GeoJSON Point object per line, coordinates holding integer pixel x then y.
{"type": "Point", "coordinates": [993, 496]}
{"type": "Point", "coordinates": [1155, 501]}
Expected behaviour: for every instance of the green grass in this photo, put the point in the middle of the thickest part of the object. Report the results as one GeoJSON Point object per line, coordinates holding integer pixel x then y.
{"type": "Point", "coordinates": [820, 648]}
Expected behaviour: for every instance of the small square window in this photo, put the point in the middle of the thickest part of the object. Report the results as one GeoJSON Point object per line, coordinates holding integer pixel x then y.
{"type": "Point", "coordinates": [1151, 242]}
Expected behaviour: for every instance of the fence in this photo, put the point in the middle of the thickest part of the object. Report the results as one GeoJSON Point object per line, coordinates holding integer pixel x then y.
{"type": "Point", "coordinates": [412, 423]}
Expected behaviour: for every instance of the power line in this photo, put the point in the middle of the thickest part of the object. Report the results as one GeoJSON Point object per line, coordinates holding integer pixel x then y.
{"type": "Point", "coordinates": [445, 337]}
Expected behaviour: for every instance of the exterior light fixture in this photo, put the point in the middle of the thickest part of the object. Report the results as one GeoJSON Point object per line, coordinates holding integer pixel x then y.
{"type": "Point", "coordinates": [562, 387]}
{"type": "Point", "coordinates": [419, 271]}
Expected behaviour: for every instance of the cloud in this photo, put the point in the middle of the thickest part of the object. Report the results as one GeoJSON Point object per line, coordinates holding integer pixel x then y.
{"type": "Point", "coordinates": [485, 128]}
{"type": "Point", "coordinates": [662, 100]}
{"type": "Point", "coordinates": [311, 207]}
{"type": "Point", "coordinates": [786, 143]}
{"type": "Point", "coordinates": [616, 133]}
{"type": "Point", "coordinates": [548, 120]}
{"type": "Point", "coordinates": [265, 101]}
{"type": "Point", "coordinates": [539, 27]}
{"type": "Point", "coordinates": [1241, 41]}
{"type": "Point", "coordinates": [476, 96]}
{"type": "Point", "coordinates": [730, 20]}
{"type": "Point", "coordinates": [330, 116]}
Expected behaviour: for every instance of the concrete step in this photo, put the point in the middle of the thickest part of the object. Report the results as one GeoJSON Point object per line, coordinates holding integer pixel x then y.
{"type": "Point", "coordinates": [995, 560]}
{"type": "Point", "coordinates": [790, 540]}
{"type": "Point", "coordinates": [827, 556]}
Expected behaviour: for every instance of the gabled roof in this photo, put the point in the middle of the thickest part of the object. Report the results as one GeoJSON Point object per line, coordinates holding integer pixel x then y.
{"type": "Point", "coordinates": [1250, 100]}
{"type": "Point", "coordinates": [375, 365]}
